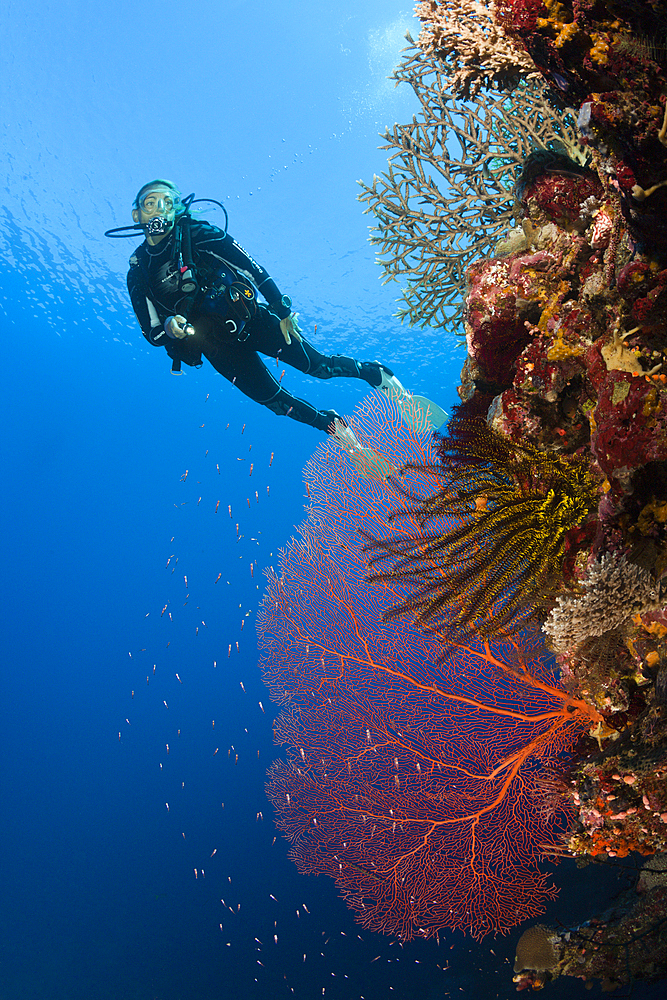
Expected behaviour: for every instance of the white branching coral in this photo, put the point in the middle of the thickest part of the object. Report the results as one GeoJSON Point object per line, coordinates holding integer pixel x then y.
{"type": "Point", "coordinates": [613, 590]}
{"type": "Point", "coordinates": [464, 33]}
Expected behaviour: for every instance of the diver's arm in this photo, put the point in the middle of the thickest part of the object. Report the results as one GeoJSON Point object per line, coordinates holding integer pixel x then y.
{"type": "Point", "coordinates": [212, 242]}
{"type": "Point", "coordinates": [150, 321]}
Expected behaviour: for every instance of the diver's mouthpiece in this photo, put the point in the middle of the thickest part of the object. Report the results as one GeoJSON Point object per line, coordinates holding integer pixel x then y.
{"type": "Point", "coordinates": [157, 226]}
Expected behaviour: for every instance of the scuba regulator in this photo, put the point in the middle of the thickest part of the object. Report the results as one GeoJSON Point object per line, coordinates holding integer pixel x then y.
{"type": "Point", "coordinates": [157, 226]}
{"type": "Point", "coordinates": [160, 225]}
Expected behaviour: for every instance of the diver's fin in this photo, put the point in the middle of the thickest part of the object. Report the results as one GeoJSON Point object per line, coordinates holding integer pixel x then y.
{"type": "Point", "coordinates": [433, 414]}
{"type": "Point", "coordinates": [366, 461]}
{"type": "Point", "coordinates": [391, 387]}
{"type": "Point", "coordinates": [419, 413]}
{"type": "Point", "coordinates": [341, 432]}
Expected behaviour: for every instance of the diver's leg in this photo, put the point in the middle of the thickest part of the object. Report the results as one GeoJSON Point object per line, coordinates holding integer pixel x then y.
{"type": "Point", "coordinates": [284, 404]}
{"type": "Point", "coordinates": [244, 368]}
{"type": "Point", "coordinates": [264, 335]}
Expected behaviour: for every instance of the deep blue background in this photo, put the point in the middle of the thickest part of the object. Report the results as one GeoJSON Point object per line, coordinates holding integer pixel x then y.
{"type": "Point", "coordinates": [275, 108]}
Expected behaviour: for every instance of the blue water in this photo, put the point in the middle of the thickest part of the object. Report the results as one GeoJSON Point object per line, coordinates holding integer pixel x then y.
{"type": "Point", "coordinates": [107, 894]}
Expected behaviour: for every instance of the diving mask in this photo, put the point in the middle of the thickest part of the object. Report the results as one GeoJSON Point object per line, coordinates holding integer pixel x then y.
{"type": "Point", "coordinates": [156, 199]}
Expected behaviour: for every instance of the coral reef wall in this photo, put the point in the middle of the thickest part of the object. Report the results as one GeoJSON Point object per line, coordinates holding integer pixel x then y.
{"type": "Point", "coordinates": [565, 320]}
{"type": "Point", "coordinates": [430, 740]}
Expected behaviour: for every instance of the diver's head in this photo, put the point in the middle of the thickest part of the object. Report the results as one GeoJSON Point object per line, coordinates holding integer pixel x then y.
{"type": "Point", "coordinates": [156, 207]}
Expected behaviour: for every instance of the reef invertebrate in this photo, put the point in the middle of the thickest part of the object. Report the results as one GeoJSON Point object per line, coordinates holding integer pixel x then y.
{"type": "Point", "coordinates": [535, 950]}
{"type": "Point", "coordinates": [612, 591]}
{"type": "Point", "coordinates": [595, 57]}
{"type": "Point", "coordinates": [502, 516]}
{"type": "Point", "coordinates": [413, 764]}
{"type": "Point", "coordinates": [481, 54]}
{"type": "Point", "coordinates": [620, 809]}
{"type": "Point", "coordinates": [447, 196]}
{"type": "Point", "coordinates": [620, 947]}
{"type": "Point", "coordinates": [424, 727]}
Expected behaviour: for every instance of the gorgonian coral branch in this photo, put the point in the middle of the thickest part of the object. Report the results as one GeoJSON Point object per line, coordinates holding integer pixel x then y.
{"type": "Point", "coordinates": [415, 767]}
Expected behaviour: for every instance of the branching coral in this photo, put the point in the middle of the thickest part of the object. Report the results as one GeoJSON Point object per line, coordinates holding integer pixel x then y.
{"type": "Point", "coordinates": [415, 768]}
{"type": "Point", "coordinates": [502, 520]}
{"type": "Point", "coordinates": [447, 196]}
{"type": "Point", "coordinates": [613, 590]}
{"type": "Point", "coordinates": [481, 54]}
{"type": "Point", "coordinates": [604, 667]}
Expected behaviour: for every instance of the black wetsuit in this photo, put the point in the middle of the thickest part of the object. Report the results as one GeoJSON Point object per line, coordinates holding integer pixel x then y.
{"type": "Point", "coordinates": [153, 285]}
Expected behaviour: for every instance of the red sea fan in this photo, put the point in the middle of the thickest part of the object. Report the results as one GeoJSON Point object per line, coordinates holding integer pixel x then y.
{"type": "Point", "coordinates": [413, 770]}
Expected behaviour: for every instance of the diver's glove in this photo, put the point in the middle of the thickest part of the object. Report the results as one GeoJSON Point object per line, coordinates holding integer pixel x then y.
{"type": "Point", "coordinates": [289, 327]}
{"type": "Point", "coordinates": [177, 327]}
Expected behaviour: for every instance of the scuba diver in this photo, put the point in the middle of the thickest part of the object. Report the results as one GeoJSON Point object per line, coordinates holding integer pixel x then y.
{"type": "Point", "coordinates": [194, 291]}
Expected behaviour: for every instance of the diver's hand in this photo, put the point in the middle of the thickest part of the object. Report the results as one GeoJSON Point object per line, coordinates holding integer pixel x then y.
{"type": "Point", "coordinates": [289, 327]}
{"type": "Point", "coordinates": [178, 327]}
